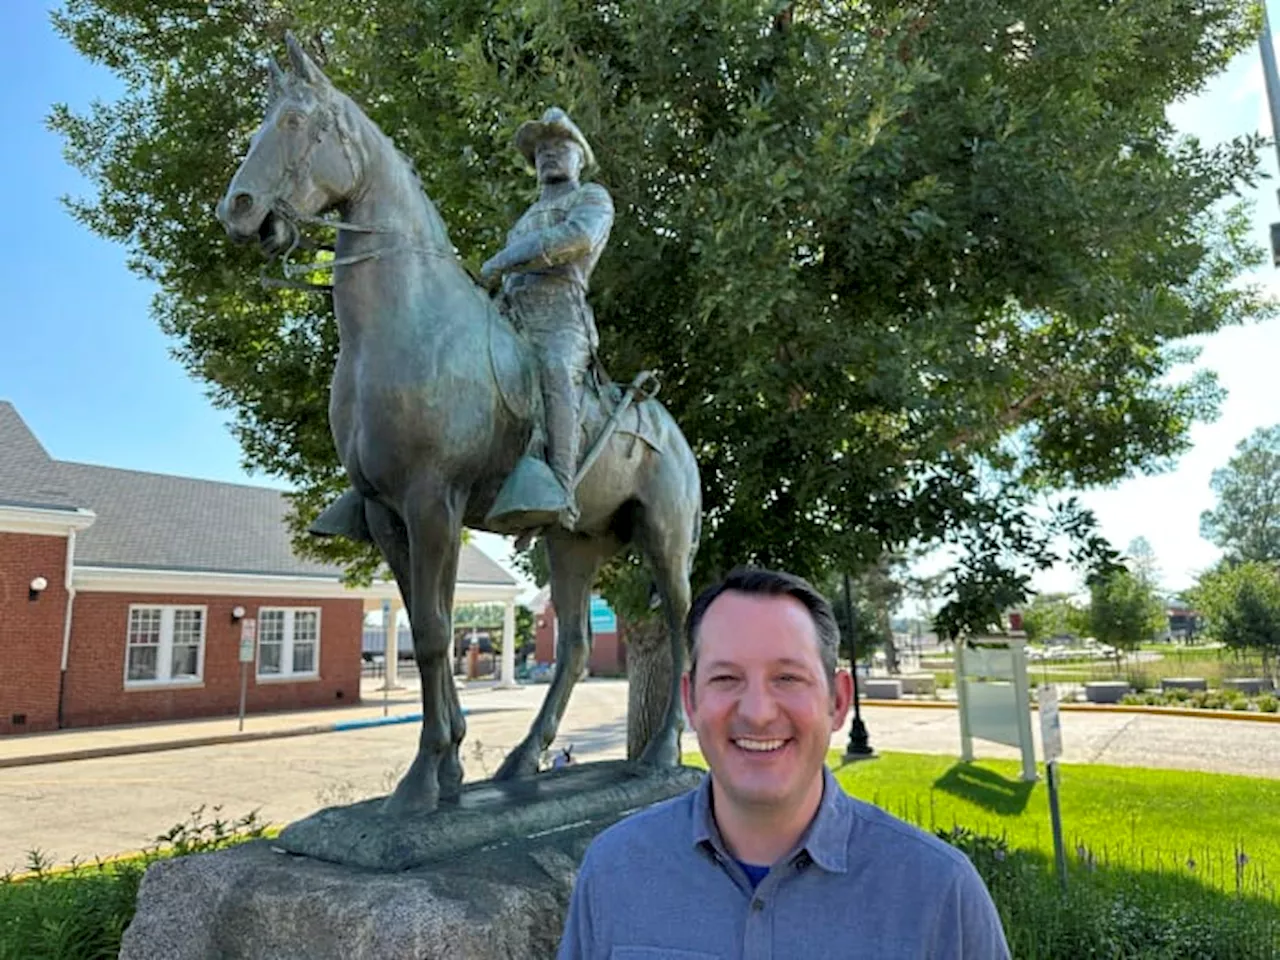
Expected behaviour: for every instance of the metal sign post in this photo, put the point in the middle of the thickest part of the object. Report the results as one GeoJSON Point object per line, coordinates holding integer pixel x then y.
{"type": "Point", "coordinates": [248, 640]}
{"type": "Point", "coordinates": [1051, 738]}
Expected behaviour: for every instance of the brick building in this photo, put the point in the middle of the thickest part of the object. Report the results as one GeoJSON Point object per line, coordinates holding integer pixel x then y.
{"type": "Point", "coordinates": [608, 653]}
{"type": "Point", "coordinates": [123, 597]}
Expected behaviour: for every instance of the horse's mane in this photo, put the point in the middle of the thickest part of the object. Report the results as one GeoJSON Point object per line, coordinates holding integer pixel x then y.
{"type": "Point", "coordinates": [355, 117]}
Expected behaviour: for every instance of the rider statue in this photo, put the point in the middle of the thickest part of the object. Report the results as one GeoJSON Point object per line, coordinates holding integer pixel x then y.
{"type": "Point", "coordinates": [544, 270]}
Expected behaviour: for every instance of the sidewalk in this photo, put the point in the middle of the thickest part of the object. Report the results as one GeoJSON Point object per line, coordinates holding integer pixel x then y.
{"type": "Point", "coordinates": [402, 705]}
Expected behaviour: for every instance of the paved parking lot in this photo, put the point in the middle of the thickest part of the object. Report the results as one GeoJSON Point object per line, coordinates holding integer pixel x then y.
{"type": "Point", "coordinates": [112, 804]}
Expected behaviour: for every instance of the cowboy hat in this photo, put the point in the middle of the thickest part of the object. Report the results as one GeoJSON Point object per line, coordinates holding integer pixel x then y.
{"type": "Point", "coordinates": [554, 123]}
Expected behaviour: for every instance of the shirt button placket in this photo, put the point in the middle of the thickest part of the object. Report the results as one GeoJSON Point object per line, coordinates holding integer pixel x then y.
{"type": "Point", "coordinates": [758, 942]}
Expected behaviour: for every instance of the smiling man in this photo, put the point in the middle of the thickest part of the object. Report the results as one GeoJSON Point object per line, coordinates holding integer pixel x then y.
{"type": "Point", "coordinates": [769, 858]}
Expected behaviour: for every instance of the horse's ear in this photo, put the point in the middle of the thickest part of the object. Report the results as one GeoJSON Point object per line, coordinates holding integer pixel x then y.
{"type": "Point", "coordinates": [303, 65]}
{"type": "Point", "coordinates": [278, 78]}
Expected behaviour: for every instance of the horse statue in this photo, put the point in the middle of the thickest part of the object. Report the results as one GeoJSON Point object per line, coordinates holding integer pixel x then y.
{"type": "Point", "coordinates": [433, 404]}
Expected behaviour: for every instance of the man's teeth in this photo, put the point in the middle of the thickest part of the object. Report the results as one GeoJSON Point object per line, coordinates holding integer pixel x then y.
{"type": "Point", "coordinates": [760, 746]}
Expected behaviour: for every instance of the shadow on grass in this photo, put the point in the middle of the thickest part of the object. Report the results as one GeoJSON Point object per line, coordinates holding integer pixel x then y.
{"type": "Point", "coordinates": [986, 788]}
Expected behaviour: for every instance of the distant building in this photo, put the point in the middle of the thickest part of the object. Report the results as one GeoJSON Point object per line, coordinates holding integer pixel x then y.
{"type": "Point", "coordinates": [608, 652]}
{"type": "Point", "coordinates": [124, 595]}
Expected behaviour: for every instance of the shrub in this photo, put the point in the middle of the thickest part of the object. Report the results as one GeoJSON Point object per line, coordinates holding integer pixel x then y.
{"type": "Point", "coordinates": [1178, 695]}
{"type": "Point", "coordinates": [1116, 912]}
{"type": "Point", "coordinates": [1268, 703]}
{"type": "Point", "coordinates": [82, 912]}
{"type": "Point", "coordinates": [1134, 699]}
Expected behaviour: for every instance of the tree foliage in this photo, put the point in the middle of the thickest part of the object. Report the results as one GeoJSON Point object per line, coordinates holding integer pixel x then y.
{"type": "Point", "coordinates": [1240, 604]}
{"type": "Point", "coordinates": [1124, 611]}
{"type": "Point", "coordinates": [1050, 615]}
{"type": "Point", "coordinates": [904, 269]}
{"type": "Point", "coordinates": [1246, 521]}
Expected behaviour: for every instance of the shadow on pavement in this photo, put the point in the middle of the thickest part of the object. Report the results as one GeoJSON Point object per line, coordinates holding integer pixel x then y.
{"type": "Point", "coordinates": [985, 788]}
{"type": "Point", "coordinates": [597, 739]}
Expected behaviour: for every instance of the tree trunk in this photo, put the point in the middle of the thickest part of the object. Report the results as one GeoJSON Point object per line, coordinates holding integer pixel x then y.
{"type": "Point", "coordinates": [648, 680]}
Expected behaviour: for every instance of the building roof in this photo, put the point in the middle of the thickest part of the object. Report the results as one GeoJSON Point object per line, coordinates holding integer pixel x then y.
{"type": "Point", "coordinates": [28, 475]}
{"type": "Point", "coordinates": [151, 521]}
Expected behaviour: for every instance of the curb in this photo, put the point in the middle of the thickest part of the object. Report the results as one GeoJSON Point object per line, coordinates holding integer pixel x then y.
{"type": "Point", "coordinates": [160, 746]}
{"type": "Point", "coordinates": [1248, 717]}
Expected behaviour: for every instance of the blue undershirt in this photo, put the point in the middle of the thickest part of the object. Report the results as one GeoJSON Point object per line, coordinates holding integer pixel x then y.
{"type": "Point", "coordinates": [754, 874]}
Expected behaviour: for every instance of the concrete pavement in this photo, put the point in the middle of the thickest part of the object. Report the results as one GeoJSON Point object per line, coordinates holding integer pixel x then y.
{"type": "Point", "coordinates": [111, 804]}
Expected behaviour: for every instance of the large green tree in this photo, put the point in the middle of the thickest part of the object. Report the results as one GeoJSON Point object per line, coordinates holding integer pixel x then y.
{"type": "Point", "coordinates": [904, 269]}
{"type": "Point", "coordinates": [1124, 611]}
{"type": "Point", "coordinates": [1246, 521]}
{"type": "Point", "coordinates": [1241, 608]}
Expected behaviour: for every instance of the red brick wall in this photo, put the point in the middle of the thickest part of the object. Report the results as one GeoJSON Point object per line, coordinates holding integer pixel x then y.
{"type": "Point", "coordinates": [608, 657]}
{"type": "Point", "coordinates": [30, 631]}
{"type": "Point", "coordinates": [96, 693]}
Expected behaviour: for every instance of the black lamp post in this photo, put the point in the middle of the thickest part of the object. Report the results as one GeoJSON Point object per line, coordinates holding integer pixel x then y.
{"type": "Point", "coordinates": [859, 746]}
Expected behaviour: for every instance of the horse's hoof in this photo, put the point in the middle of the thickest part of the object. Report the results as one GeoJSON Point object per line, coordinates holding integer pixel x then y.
{"type": "Point", "coordinates": [662, 752]}
{"type": "Point", "coordinates": [410, 798]}
{"type": "Point", "coordinates": [517, 766]}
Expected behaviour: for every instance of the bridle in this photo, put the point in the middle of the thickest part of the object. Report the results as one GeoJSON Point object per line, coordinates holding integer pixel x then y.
{"type": "Point", "coordinates": [294, 220]}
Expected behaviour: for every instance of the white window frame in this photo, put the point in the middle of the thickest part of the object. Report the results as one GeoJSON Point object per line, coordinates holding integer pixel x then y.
{"type": "Point", "coordinates": [286, 646]}
{"type": "Point", "coordinates": [164, 650]}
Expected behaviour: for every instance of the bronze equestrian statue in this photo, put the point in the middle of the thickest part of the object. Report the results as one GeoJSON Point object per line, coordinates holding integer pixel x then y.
{"type": "Point", "coordinates": [437, 401]}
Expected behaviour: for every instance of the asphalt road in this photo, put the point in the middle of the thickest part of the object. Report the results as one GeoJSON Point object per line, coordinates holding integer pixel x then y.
{"type": "Point", "coordinates": [109, 805]}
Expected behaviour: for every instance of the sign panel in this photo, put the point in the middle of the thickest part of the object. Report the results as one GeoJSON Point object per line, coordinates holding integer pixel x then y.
{"type": "Point", "coordinates": [993, 712]}
{"type": "Point", "coordinates": [603, 619]}
{"type": "Point", "coordinates": [248, 637]}
{"type": "Point", "coordinates": [1050, 722]}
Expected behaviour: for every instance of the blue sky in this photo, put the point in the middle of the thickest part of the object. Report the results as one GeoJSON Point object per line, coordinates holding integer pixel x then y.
{"type": "Point", "coordinates": [91, 373]}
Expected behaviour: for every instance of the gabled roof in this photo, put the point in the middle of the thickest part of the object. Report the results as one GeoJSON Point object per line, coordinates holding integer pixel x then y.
{"type": "Point", "coordinates": [28, 476]}
{"type": "Point", "coordinates": [152, 521]}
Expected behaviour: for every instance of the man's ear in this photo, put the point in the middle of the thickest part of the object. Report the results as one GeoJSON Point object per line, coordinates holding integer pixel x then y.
{"type": "Point", "coordinates": [686, 694]}
{"type": "Point", "coordinates": [841, 698]}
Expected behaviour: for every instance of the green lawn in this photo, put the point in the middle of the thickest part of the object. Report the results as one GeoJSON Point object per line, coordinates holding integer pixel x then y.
{"type": "Point", "coordinates": [1125, 816]}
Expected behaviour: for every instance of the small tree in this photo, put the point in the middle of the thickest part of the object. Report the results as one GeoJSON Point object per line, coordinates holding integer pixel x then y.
{"type": "Point", "coordinates": [1124, 611]}
{"type": "Point", "coordinates": [1241, 607]}
{"type": "Point", "coordinates": [1048, 615]}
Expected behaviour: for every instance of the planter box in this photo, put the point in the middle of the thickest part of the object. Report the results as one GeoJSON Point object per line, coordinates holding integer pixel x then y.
{"type": "Point", "coordinates": [1105, 691]}
{"type": "Point", "coordinates": [882, 689]}
{"type": "Point", "coordinates": [920, 684]}
{"type": "Point", "coordinates": [1251, 686]}
{"type": "Point", "coordinates": [1183, 683]}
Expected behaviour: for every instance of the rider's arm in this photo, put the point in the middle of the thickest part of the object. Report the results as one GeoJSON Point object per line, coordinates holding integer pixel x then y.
{"type": "Point", "coordinates": [585, 228]}
{"type": "Point", "coordinates": [582, 231]}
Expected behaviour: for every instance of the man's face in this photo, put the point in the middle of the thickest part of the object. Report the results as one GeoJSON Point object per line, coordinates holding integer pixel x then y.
{"type": "Point", "coordinates": [557, 159]}
{"type": "Point", "coordinates": [760, 701]}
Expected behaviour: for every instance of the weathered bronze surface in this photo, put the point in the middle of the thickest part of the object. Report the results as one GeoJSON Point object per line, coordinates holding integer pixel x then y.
{"type": "Point", "coordinates": [436, 397]}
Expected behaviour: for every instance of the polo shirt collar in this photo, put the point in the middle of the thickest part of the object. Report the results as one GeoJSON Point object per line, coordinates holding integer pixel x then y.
{"type": "Point", "coordinates": [826, 841]}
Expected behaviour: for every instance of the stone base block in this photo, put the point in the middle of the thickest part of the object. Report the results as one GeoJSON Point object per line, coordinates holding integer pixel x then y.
{"type": "Point", "coordinates": [1251, 686]}
{"type": "Point", "coordinates": [878, 688]}
{"type": "Point", "coordinates": [1184, 683]}
{"type": "Point", "coordinates": [503, 897]}
{"type": "Point", "coordinates": [1105, 691]}
{"type": "Point", "coordinates": [918, 684]}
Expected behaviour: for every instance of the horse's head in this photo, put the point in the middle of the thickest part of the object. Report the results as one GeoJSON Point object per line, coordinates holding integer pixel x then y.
{"type": "Point", "coordinates": [301, 160]}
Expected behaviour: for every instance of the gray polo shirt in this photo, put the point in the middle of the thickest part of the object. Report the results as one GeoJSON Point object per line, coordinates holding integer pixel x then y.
{"type": "Point", "coordinates": [660, 885]}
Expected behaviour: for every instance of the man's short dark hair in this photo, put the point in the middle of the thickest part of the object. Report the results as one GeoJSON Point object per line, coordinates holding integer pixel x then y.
{"type": "Point", "coordinates": [771, 583]}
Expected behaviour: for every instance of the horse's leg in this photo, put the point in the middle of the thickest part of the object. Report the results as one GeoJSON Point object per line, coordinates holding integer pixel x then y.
{"type": "Point", "coordinates": [434, 522]}
{"type": "Point", "coordinates": [574, 564]}
{"type": "Point", "coordinates": [667, 540]}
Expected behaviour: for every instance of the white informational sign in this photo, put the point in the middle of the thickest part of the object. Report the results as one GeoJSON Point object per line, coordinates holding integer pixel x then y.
{"type": "Point", "coordinates": [1050, 722]}
{"type": "Point", "coordinates": [994, 697]}
{"type": "Point", "coordinates": [248, 637]}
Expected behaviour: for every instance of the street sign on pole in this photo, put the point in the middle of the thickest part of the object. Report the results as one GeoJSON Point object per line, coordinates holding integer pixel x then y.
{"type": "Point", "coordinates": [248, 637]}
{"type": "Point", "coordinates": [1050, 722]}
{"type": "Point", "coordinates": [248, 640]}
{"type": "Point", "coordinates": [1051, 738]}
